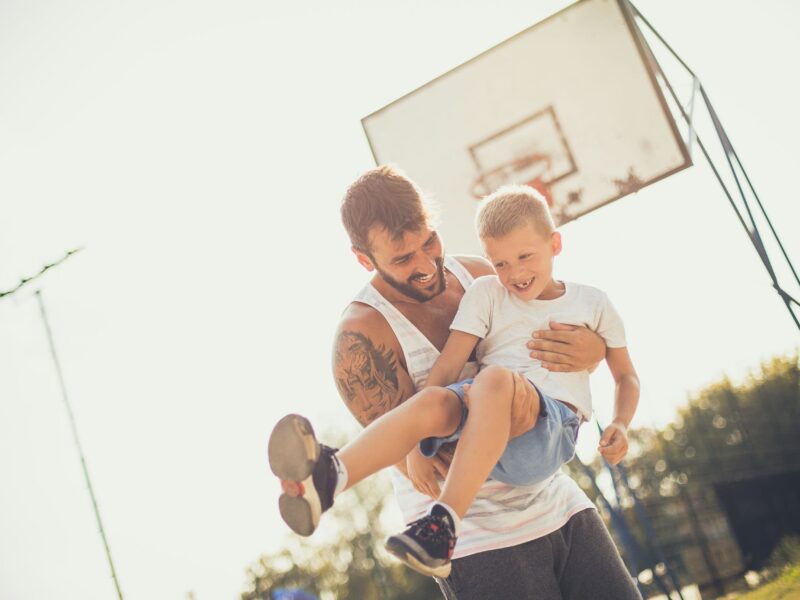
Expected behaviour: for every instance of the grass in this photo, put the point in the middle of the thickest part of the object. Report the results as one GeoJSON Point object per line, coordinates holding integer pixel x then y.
{"type": "Point", "coordinates": [786, 587]}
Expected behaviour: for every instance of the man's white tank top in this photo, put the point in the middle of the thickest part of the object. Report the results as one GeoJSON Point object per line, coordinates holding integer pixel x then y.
{"type": "Point", "coordinates": [501, 515]}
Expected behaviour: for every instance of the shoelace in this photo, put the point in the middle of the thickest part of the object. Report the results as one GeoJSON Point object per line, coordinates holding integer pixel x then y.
{"type": "Point", "coordinates": [432, 528]}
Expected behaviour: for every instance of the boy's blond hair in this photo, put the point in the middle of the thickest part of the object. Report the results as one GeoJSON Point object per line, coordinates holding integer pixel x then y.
{"type": "Point", "coordinates": [511, 206]}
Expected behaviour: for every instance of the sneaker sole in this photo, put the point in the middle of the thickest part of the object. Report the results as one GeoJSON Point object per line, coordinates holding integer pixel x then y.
{"type": "Point", "coordinates": [401, 551]}
{"type": "Point", "coordinates": [298, 514]}
{"type": "Point", "coordinates": [293, 452]}
{"type": "Point", "coordinates": [293, 449]}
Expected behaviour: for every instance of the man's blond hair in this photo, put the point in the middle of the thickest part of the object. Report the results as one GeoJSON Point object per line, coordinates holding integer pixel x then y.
{"type": "Point", "coordinates": [511, 206]}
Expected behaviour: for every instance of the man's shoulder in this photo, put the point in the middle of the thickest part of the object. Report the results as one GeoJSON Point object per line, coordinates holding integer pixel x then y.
{"type": "Point", "coordinates": [358, 315]}
{"type": "Point", "coordinates": [364, 320]}
{"type": "Point", "coordinates": [476, 265]}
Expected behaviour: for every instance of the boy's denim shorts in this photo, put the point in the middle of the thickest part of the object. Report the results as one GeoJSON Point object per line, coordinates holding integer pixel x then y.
{"type": "Point", "coordinates": [532, 456]}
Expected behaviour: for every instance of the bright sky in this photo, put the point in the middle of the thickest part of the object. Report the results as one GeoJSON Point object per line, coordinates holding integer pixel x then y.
{"type": "Point", "coordinates": [198, 150]}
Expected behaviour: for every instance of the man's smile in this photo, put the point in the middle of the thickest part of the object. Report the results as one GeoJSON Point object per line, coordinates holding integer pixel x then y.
{"type": "Point", "coordinates": [423, 279]}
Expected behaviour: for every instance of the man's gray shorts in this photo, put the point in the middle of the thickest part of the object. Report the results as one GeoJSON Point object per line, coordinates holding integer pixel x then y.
{"type": "Point", "coordinates": [577, 562]}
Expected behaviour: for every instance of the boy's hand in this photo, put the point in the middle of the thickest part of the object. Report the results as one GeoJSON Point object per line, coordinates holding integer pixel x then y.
{"type": "Point", "coordinates": [422, 473]}
{"type": "Point", "coordinates": [614, 442]}
{"type": "Point", "coordinates": [567, 348]}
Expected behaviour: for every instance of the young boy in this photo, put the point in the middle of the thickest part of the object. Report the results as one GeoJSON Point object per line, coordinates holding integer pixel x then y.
{"type": "Point", "coordinates": [496, 314]}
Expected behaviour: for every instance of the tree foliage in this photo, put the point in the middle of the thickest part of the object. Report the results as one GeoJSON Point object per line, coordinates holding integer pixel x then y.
{"type": "Point", "coordinates": [345, 557]}
{"type": "Point", "coordinates": [717, 482]}
{"type": "Point", "coordinates": [725, 432]}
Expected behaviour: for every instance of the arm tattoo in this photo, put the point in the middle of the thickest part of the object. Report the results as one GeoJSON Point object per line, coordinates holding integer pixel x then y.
{"type": "Point", "coordinates": [366, 376]}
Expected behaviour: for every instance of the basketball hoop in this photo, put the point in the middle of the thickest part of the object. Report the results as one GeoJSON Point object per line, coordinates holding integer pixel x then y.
{"type": "Point", "coordinates": [531, 169]}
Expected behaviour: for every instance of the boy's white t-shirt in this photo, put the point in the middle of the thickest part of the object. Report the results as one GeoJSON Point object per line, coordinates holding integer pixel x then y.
{"type": "Point", "coordinates": [502, 515]}
{"type": "Point", "coordinates": [505, 323]}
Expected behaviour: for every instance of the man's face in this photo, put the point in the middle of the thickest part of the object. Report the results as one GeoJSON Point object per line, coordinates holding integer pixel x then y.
{"type": "Point", "coordinates": [412, 264]}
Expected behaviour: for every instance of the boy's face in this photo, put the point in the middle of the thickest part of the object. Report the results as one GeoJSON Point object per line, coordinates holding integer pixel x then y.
{"type": "Point", "coordinates": [523, 260]}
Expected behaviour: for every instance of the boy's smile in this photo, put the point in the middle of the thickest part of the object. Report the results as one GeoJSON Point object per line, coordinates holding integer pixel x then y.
{"type": "Point", "coordinates": [523, 260]}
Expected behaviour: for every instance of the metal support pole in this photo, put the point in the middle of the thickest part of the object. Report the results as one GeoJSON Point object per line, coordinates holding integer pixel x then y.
{"type": "Point", "coordinates": [752, 230]}
{"type": "Point", "coordinates": [77, 441]}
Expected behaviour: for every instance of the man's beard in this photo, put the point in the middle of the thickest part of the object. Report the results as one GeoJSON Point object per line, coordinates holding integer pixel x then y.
{"type": "Point", "coordinates": [409, 289]}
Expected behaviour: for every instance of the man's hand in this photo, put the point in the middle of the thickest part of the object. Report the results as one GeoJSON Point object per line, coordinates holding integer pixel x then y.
{"type": "Point", "coordinates": [614, 442]}
{"type": "Point", "coordinates": [567, 348]}
{"type": "Point", "coordinates": [422, 473]}
{"type": "Point", "coordinates": [524, 406]}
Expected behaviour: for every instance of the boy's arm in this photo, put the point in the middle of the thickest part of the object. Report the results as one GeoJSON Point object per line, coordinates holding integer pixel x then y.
{"type": "Point", "coordinates": [455, 354]}
{"type": "Point", "coordinates": [614, 441]}
{"type": "Point", "coordinates": [451, 361]}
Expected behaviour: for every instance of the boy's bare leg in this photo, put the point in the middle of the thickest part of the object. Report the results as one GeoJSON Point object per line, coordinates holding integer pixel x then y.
{"type": "Point", "coordinates": [484, 438]}
{"type": "Point", "coordinates": [432, 412]}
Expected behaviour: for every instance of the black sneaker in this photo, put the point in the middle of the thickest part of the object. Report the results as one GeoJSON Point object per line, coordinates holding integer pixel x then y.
{"type": "Point", "coordinates": [427, 545]}
{"type": "Point", "coordinates": [307, 472]}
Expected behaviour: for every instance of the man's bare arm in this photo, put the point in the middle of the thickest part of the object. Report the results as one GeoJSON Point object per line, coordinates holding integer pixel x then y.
{"type": "Point", "coordinates": [366, 368]}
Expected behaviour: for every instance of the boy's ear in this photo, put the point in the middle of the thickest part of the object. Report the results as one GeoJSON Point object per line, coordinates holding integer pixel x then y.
{"type": "Point", "coordinates": [556, 243]}
{"type": "Point", "coordinates": [364, 260]}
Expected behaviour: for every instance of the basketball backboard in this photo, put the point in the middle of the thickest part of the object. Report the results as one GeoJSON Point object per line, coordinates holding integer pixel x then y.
{"type": "Point", "coordinates": [569, 106]}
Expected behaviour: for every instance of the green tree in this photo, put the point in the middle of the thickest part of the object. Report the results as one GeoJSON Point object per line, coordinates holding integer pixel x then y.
{"type": "Point", "coordinates": [717, 481]}
{"type": "Point", "coordinates": [725, 432]}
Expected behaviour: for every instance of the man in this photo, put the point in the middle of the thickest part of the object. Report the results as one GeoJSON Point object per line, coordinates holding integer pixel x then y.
{"type": "Point", "coordinates": [544, 541]}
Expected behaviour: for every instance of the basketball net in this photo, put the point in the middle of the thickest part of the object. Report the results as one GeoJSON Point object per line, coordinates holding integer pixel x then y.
{"type": "Point", "coordinates": [531, 169]}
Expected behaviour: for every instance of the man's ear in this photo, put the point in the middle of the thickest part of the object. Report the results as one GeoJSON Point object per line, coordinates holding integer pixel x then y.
{"type": "Point", "coordinates": [556, 241]}
{"type": "Point", "coordinates": [364, 260]}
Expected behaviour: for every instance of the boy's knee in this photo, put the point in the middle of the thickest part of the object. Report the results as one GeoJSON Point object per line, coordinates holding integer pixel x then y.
{"type": "Point", "coordinates": [495, 379]}
{"type": "Point", "coordinates": [493, 384]}
{"type": "Point", "coordinates": [439, 404]}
